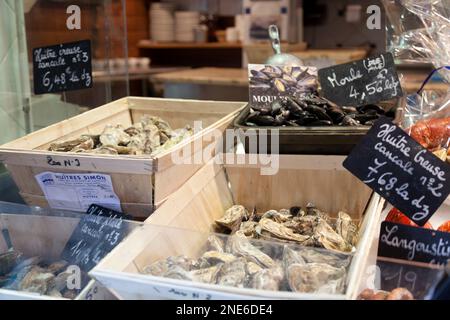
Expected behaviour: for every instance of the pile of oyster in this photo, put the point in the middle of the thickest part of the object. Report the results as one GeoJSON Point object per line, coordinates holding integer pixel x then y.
{"type": "Point", "coordinates": [312, 110]}
{"type": "Point", "coordinates": [286, 250]}
{"type": "Point", "coordinates": [310, 227]}
{"type": "Point", "coordinates": [150, 136]}
{"type": "Point", "coordinates": [36, 275]}
{"type": "Point", "coordinates": [243, 263]}
{"type": "Point", "coordinates": [286, 80]}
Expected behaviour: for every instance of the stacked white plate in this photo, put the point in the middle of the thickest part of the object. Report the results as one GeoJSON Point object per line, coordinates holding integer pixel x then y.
{"type": "Point", "coordinates": [185, 23]}
{"type": "Point", "coordinates": [162, 22]}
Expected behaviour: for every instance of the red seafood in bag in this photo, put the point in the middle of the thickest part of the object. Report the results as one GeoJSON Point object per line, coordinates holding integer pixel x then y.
{"type": "Point", "coordinates": [397, 216]}
{"type": "Point", "coordinates": [445, 227]}
{"type": "Point", "coordinates": [431, 133]}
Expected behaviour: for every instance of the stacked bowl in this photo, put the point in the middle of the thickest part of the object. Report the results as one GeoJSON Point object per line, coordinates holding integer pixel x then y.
{"type": "Point", "coordinates": [185, 23]}
{"type": "Point", "coordinates": [162, 23]}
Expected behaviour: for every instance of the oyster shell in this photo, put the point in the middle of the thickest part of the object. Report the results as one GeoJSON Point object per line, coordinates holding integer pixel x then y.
{"type": "Point", "coordinates": [214, 243]}
{"type": "Point", "coordinates": [158, 268]}
{"type": "Point", "coordinates": [326, 237]}
{"type": "Point", "coordinates": [312, 210]}
{"type": "Point", "coordinates": [37, 280]}
{"type": "Point", "coordinates": [106, 150]}
{"type": "Point", "coordinates": [346, 228]}
{"type": "Point", "coordinates": [280, 217]}
{"type": "Point", "coordinates": [233, 273]}
{"type": "Point", "coordinates": [233, 217]}
{"type": "Point", "coordinates": [207, 275]}
{"type": "Point", "coordinates": [253, 268]}
{"type": "Point", "coordinates": [267, 279]}
{"type": "Point", "coordinates": [239, 245]}
{"type": "Point", "coordinates": [214, 257]}
{"type": "Point", "coordinates": [177, 272]}
{"type": "Point", "coordinates": [248, 228]}
{"type": "Point", "coordinates": [114, 136]}
{"type": "Point", "coordinates": [84, 142]}
{"type": "Point", "coordinates": [277, 230]}
{"type": "Point", "coordinates": [335, 259]}
{"type": "Point", "coordinates": [316, 278]}
{"type": "Point", "coordinates": [304, 225]}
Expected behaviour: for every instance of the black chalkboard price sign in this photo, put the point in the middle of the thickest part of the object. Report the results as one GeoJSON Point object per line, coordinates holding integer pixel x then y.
{"type": "Point", "coordinates": [395, 166]}
{"type": "Point", "coordinates": [62, 67]}
{"type": "Point", "coordinates": [97, 233]}
{"type": "Point", "coordinates": [404, 242]}
{"type": "Point", "coordinates": [361, 82]}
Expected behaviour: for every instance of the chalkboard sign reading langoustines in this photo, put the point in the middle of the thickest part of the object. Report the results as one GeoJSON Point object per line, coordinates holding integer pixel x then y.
{"type": "Point", "coordinates": [404, 242]}
{"type": "Point", "coordinates": [97, 233]}
{"type": "Point", "coordinates": [62, 67]}
{"type": "Point", "coordinates": [395, 166]}
{"type": "Point", "coordinates": [361, 82]}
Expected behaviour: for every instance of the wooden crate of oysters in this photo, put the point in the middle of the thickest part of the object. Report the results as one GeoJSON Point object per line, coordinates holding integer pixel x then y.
{"type": "Point", "coordinates": [131, 140]}
{"type": "Point", "coordinates": [230, 232]}
{"type": "Point", "coordinates": [32, 265]}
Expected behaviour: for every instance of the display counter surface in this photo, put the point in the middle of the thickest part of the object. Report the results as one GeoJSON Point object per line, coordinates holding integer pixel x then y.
{"type": "Point", "coordinates": [411, 82]}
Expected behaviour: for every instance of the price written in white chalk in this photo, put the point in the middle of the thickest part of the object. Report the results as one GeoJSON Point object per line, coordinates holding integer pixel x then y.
{"type": "Point", "coordinates": [382, 83]}
{"type": "Point", "coordinates": [361, 82]}
{"type": "Point", "coordinates": [394, 165]}
{"type": "Point", "coordinates": [62, 67]}
{"type": "Point", "coordinates": [387, 181]}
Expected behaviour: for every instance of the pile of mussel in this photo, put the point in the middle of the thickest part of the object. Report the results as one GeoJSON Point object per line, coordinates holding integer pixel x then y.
{"type": "Point", "coordinates": [312, 110]}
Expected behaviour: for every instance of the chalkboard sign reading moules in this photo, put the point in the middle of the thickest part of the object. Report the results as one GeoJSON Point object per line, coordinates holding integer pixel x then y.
{"type": "Point", "coordinates": [395, 166]}
{"type": "Point", "coordinates": [97, 233]}
{"type": "Point", "coordinates": [361, 82]}
{"type": "Point", "coordinates": [62, 67]}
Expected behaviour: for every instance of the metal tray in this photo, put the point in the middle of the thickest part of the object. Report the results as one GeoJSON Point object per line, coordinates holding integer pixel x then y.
{"type": "Point", "coordinates": [332, 140]}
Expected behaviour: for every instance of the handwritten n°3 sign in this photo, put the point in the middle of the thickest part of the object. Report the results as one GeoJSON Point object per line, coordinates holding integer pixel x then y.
{"type": "Point", "coordinates": [361, 82]}
{"type": "Point", "coordinates": [395, 166]}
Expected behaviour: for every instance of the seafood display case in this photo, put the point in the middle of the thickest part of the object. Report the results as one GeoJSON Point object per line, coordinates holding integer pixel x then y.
{"type": "Point", "coordinates": [32, 261]}
{"type": "Point", "coordinates": [230, 215]}
{"type": "Point", "coordinates": [111, 140]}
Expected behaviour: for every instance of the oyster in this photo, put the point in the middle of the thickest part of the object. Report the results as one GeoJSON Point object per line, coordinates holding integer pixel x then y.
{"type": "Point", "coordinates": [326, 237]}
{"type": "Point", "coordinates": [233, 273]}
{"type": "Point", "coordinates": [282, 216]}
{"type": "Point", "coordinates": [177, 272]}
{"type": "Point", "coordinates": [267, 279]}
{"type": "Point", "coordinates": [158, 268]}
{"type": "Point", "coordinates": [239, 245]}
{"type": "Point", "coordinates": [346, 228]}
{"type": "Point", "coordinates": [248, 228]}
{"type": "Point", "coordinates": [312, 210]}
{"type": "Point", "coordinates": [105, 150]}
{"type": "Point", "coordinates": [281, 232]}
{"type": "Point", "coordinates": [233, 217]}
{"type": "Point", "coordinates": [215, 243]}
{"type": "Point", "coordinates": [316, 278]}
{"type": "Point", "coordinates": [57, 266]}
{"type": "Point", "coordinates": [253, 268]}
{"type": "Point", "coordinates": [304, 225]}
{"type": "Point", "coordinates": [214, 257]}
{"type": "Point", "coordinates": [37, 280]}
{"type": "Point", "coordinates": [114, 136]}
{"type": "Point", "coordinates": [311, 255]}
{"type": "Point", "coordinates": [207, 275]}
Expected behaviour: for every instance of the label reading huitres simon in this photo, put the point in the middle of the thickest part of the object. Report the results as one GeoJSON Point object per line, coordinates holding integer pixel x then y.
{"type": "Point", "coordinates": [78, 191]}
{"type": "Point", "coordinates": [268, 83]}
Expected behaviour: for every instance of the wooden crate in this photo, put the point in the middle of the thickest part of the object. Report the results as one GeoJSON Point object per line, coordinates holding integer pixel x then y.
{"type": "Point", "coordinates": [205, 197]}
{"type": "Point", "coordinates": [141, 182]}
{"type": "Point", "coordinates": [45, 236]}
